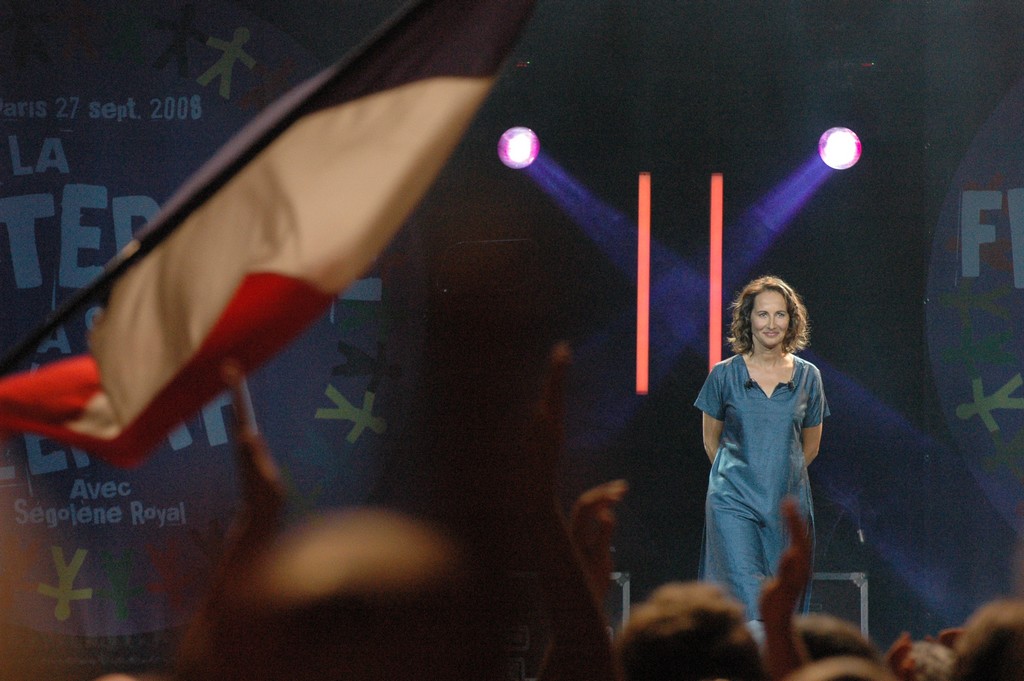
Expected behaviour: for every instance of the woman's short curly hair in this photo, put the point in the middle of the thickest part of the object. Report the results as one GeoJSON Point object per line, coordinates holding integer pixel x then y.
{"type": "Point", "coordinates": [797, 335]}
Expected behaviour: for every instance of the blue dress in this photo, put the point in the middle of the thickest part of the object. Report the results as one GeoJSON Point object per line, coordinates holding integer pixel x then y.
{"type": "Point", "coordinates": [760, 461]}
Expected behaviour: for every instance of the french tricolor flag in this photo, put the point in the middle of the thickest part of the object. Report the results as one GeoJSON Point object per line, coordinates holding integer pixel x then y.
{"type": "Point", "coordinates": [255, 246]}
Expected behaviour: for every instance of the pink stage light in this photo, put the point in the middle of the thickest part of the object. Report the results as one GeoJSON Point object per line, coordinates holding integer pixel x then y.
{"type": "Point", "coordinates": [839, 148]}
{"type": "Point", "coordinates": [518, 147]}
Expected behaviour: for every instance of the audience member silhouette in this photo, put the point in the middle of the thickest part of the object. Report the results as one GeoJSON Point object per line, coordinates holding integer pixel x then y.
{"type": "Point", "coordinates": [688, 631]}
{"type": "Point", "coordinates": [991, 645]}
{"type": "Point", "coordinates": [826, 635]}
{"type": "Point", "coordinates": [372, 593]}
{"type": "Point", "coordinates": [931, 659]}
{"type": "Point", "coordinates": [843, 668]}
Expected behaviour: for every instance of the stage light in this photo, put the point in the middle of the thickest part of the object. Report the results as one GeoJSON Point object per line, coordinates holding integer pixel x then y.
{"type": "Point", "coordinates": [839, 148]}
{"type": "Point", "coordinates": [518, 147]}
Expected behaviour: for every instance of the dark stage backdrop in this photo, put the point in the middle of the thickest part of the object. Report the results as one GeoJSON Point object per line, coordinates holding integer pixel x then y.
{"type": "Point", "coordinates": [908, 262]}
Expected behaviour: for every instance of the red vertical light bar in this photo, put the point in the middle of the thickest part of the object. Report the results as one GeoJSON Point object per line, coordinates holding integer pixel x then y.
{"type": "Point", "coordinates": [715, 274]}
{"type": "Point", "coordinates": [643, 284]}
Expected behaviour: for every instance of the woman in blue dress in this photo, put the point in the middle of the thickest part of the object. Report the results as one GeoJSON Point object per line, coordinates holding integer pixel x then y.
{"type": "Point", "coordinates": [762, 420]}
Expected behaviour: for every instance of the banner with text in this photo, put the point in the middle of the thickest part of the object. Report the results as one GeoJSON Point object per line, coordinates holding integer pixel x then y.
{"type": "Point", "coordinates": [106, 107]}
{"type": "Point", "coordinates": [975, 306]}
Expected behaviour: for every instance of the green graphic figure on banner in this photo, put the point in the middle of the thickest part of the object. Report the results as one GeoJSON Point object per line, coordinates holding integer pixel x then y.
{"type": "Point", "coordinates": [224, 66]}
{"type": "Point", "coordinates": [964, 300]}
{"type": "Point", "coordinates": [182, 31]}
{"type": "Point", "coordinates": [361, 418]}
{"type": "Point", "coordinates": [984, 405]}
{"type": "Point", "coordinates": [119, 571]}
{"type": "Point", "coordinates": [989, 350]}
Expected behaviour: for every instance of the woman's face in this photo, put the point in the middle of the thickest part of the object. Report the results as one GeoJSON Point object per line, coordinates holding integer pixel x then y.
{"type": "Point", "coordinates": [769, 320]}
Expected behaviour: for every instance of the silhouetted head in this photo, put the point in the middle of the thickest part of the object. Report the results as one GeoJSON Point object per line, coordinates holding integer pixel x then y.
{"type": "Point", "coordinates": [842, 669]}
{"type": "Point", "coordinates": [362, 594]}
{"type": "Point", "coordinates": [991, 647]}
{"type": "Point", "coordinates": [688, 631]}
{"type": "Point", "coordinates": [826, 635]}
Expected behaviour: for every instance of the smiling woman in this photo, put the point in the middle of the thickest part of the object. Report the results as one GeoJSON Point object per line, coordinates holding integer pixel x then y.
{"type": "Point", "coordinates": [762, 420]}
